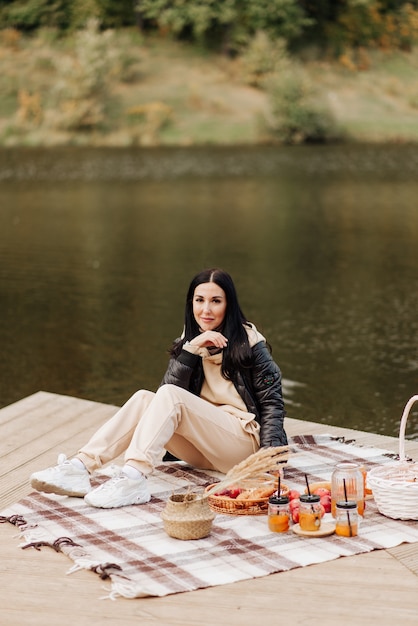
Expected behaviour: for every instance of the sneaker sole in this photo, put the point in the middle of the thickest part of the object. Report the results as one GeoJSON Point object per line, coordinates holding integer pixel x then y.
{"type": "Point", "coordinates": [47, 488]}
{"type": "Point", "coordinates": [117, 505]}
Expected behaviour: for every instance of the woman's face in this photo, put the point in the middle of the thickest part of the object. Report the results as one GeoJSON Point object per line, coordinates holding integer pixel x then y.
{"type": "Point", "coordinates": [209, 306]}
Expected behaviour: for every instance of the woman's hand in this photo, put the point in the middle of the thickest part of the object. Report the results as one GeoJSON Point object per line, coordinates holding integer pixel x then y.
{"type": "Point", "coordinates": [209, 338]}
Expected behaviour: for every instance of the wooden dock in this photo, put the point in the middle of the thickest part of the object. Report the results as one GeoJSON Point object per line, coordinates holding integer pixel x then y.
{"type": "Point", "coordinates": [380, 586]}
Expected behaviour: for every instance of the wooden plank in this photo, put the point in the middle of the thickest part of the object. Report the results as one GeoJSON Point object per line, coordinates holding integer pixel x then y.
{"type": "Point", "coordinates": [36, 429]}
{"type": "Point", "coordinates": [350, 590]}
{"type": "Point", "coordinates": [407, 553]}
{"type": "Point", "coordinates": [35, 588]}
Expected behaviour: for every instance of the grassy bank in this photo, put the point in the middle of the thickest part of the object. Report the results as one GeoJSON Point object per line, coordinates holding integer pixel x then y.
{"type": "Point", "coordinates": [120, 89]}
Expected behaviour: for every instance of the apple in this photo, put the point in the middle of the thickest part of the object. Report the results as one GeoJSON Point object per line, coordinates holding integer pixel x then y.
{"type": "Point", "coordinates": [294, 494]}
{"type": "Point", "coordinates": [295, 515]}
{"type": "Point", "coordinates": [322, 491]}
{"type": "Point", "coordinates": [294, 510]}
{"type": "Point", "coordinates": [234, 492]}
{"type": "Point", "coordinates": [326, 503]}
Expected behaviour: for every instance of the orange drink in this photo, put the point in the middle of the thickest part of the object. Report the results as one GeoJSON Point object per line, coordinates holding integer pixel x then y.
{"type": "Point", "coordinates": [347, 520]}
{"type": "Point", "coordinates": [345, 530]}
{"type": "Point", "coordinates": [310, 512]}
{"type": "Point", "coordinates": [279, 523]}
{"type": "Point", "coordinates": [310, 521]}
{"type": "Point", "coordinates": [278, 514]}
{"type": "Point", "coordinates": [367, 491]}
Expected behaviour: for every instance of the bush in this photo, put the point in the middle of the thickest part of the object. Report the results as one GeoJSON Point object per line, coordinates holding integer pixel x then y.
{"type": "Point", "coordinates": [262, 58]}
{"type": "Point", "coordinates": [79, 96]}
{"type": "Point", "coordinates": [297, 116]}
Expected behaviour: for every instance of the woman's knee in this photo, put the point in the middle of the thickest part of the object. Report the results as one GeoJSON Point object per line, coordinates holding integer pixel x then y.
{"type": "Point", "coordinates": [143, 393]}
{"type": "Point", "coordinates": [176, 394]}
{"type": "Point", "coordinates": [169, 391]}
{"type": "Point", "coordinates": [143, 396]}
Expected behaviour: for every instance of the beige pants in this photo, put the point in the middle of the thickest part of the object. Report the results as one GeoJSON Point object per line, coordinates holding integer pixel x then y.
{"type": "Point", "coordinates": [176, 420]}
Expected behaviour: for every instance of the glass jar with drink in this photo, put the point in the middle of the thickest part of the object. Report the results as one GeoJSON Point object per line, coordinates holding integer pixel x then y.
{"type": "Point", "coordinates": [278, 514]}
{"type": "Point", "coordinates": [346, 518]}
{"type": "Point", "coordinates": [310, 512]}
{"type": "Point", "coordinates": [347, 483]}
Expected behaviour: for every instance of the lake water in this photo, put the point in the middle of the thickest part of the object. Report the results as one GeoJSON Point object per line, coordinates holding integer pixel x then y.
{"type": "Point", "coordinates": [97, 248]}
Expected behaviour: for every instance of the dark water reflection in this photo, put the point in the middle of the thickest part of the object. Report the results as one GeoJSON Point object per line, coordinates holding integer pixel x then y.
{"type": "Point", "coordinates": [97, 248]}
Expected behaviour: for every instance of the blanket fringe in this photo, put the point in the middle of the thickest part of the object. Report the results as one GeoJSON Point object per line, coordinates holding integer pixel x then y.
{"type": "Point", "coordinates": [104, 570]}
{"type": "Point", "coordinates": [126, 588]}
{"type": "Point", "coordinates": [16, 520]}
{"type": "Point", "coordinates": [109, 596]}
{"type": "Point", "coordinates": [75, 568]}
{"type": "Point", "coordinates": [57, 545]}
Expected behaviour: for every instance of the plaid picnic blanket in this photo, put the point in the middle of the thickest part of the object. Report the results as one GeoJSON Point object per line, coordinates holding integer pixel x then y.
{"type": "Point", "coordinates": [130, 548]}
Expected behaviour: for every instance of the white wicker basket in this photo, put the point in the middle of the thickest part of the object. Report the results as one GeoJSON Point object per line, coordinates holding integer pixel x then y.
{"type": "Point", "coordinates": [395, 486]}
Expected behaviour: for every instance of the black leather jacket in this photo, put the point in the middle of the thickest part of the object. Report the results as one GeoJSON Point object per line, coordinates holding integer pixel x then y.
{"type": "Point", "coordinates": [259, 386]}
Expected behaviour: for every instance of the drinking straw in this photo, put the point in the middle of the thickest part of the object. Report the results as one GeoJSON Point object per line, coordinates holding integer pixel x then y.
{"type": "Point", "coordinates": [307, 485]}
{"type": "Point", "coordinates": [348, 512]}
{"type": "Point", "coordinates": [278, 486]}
{"type": "Point", "coordinates": [309, 491]}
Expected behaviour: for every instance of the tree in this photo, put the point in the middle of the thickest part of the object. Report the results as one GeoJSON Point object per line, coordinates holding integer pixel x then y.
{"type": "Point", "coordinates": [215, 21]}
{"type": "Point", "coordinates": [33, 14]}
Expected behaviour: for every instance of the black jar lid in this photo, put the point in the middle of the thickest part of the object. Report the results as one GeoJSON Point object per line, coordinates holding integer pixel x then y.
{"type": "Point", "coordinates": [310, 499]}
{"type": "Point", "coordinates": [275, 499]}
{"type": "Point", "coordinates": [346, 504]}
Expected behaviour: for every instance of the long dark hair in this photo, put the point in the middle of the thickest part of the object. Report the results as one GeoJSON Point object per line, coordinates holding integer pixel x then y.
{"type": "Point", "coordinates": [237, 353]}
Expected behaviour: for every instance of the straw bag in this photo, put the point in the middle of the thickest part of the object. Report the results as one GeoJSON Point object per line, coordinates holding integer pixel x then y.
{"type": "Point", "coordinates": [395, 486]}
{"type": "Point", "coordinates": [187, 516]}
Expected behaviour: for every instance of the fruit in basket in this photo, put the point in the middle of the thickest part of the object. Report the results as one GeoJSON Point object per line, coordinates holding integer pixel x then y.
{"type": "Point", "coordinates": [231, 492]}
{"type": "Point", "coordinates": [256, 494]}
{"type": "Point", "coordinates": [234, 492]}
{"type": "Point", "coordinates": [249, 492]}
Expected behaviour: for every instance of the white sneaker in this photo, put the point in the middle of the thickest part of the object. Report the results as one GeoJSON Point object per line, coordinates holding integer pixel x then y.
{"type": "Point", "coordinates": [64, 479]}
{"type": "Point", "coordinates": [119, 491]}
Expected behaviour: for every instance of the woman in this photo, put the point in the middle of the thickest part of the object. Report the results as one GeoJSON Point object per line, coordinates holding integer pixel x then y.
{"type": "Point", "coordinates": [219, 401]}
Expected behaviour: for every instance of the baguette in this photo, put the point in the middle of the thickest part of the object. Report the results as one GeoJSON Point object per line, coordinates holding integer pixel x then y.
{"type": "Point", "coordinates": [256, 494]}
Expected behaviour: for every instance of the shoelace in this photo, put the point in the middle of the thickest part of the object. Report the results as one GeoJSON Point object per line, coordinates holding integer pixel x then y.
{"type": "Point", "coordinates": [113, 481]}
{"type": "Point", "coordinates": [113, 471]}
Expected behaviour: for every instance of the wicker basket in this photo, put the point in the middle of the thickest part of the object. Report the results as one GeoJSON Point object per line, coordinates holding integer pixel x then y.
{"type": "Point", "coordinates": [187, 516]}
{"type": "Point", "coordinates": [249, 506]}
{"type": "Point", "coordinates": [395, 486]}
